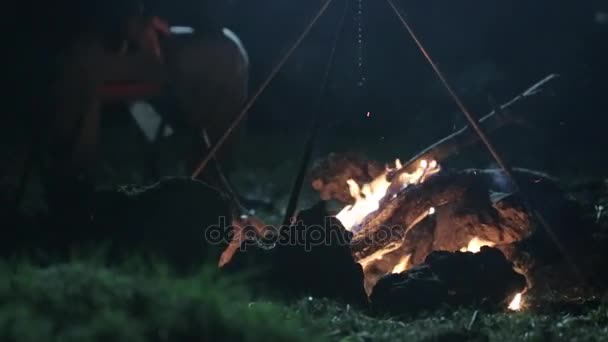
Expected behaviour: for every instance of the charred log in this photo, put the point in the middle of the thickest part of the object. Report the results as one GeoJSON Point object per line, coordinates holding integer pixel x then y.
{"type": "Point", "coordinates": [167, 220]}
{"type": "Point", "coordinates": [486, 278]}
{"type": "Point", "coordinates": [309, 258]}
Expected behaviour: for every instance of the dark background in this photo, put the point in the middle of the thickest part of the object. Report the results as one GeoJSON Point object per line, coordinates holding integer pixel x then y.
{"type": "Point", "coordinates": [487, 49]}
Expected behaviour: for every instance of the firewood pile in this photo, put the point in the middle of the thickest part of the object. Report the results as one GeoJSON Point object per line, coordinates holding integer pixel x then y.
{"type": "Point", "coordinates": [413, 258]}
{"type": "Point", "coordinates": [466, 205]}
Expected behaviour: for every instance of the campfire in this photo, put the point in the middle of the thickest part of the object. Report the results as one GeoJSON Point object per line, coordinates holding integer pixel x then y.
{"type": "Point", "coordinates": [422, 232]}
{"type": "Point", "coordinates": [416, 236]}
{"type": "Point", "coordinates": [420, 235]}
{"type": "Point", "coordinates": [398, 218]}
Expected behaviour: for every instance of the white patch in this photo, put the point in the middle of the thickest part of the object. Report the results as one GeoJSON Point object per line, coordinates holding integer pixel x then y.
{"type": "Point", "coordinates": [233, 37]}
{"type": "Point", "coordinates": [148, 119]}
{"type": "Point", "coordinates": [181, 30]}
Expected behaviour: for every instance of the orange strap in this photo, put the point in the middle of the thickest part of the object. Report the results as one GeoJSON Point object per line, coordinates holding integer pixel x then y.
{"type": "Point", "coordinates": [126, 91]}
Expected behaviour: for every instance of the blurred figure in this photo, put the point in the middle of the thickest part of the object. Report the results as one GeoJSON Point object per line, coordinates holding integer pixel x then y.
{"type": "Point", "coordinates": [61, 53]}
{"type": "Point", "coordinates": [203, 77]}
{"type": "Point", "coordinates": [206, 71]}
{"type": "Point", "coordinates": [96, 55]}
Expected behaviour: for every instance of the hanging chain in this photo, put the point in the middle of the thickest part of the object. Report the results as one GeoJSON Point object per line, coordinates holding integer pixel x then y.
{"type": "Point", "coordinates": [360, 42]}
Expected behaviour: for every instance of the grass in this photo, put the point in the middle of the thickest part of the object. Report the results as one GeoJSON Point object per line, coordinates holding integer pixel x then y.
{"type": "Point", "coordinates": [86, 301]}
{"type": "Point", "coordinates": [343, 324]}
{"type": "Point", "coordinates": [83, 301]}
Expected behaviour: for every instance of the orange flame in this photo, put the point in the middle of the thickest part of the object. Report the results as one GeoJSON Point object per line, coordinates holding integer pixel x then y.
{"type": "Point", "coordinates": [368, 197]}
{"type": "Point", "coordinates": [516, 303]}
{"type": "Point", "coordinates": [402, 265]}
{"type": "Point", "coordinates": [475, 245]}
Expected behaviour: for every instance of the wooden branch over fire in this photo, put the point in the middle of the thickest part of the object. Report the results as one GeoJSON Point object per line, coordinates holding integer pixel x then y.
{"type": "Point", "coordinates": [455, 142]}
{"type": "Point", "coordinates": [329, 176]}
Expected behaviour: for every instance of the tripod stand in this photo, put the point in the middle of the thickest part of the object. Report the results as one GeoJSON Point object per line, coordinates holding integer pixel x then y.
{"type": "Point", "coordinates": [291, 208]}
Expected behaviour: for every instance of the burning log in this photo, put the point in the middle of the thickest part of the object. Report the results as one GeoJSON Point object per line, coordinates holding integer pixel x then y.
{"type": "Point", "coordinates": [456, 279]}
{"type": "Point", "coordinates": [451, 208]}
{"type": "Point", "coordinates": [462, 210]}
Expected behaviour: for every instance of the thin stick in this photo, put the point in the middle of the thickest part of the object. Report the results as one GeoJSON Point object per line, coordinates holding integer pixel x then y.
{"type": "Point", "coordinates": [472, 121]}
{"type": "Point", "coordinates": [218, 144]}
{"type": "Point", "coordinates": [314, 129]}
{"type": "Point", "coordinates": [484, 138]}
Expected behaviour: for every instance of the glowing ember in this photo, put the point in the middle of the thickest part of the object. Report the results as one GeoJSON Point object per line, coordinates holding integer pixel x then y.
{"type": "Point", "coordinates": [368, 197]}
{"type": "Point", "coordinates": [475, 245]}
{"type": "Point", "coordinates": [402, 265]}
{"type": "Point", "coordinates": [515, 304]}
